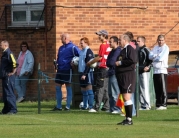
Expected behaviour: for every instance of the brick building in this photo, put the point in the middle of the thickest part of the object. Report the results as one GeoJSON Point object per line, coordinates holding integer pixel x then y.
{"type": "Point", "coordinates": [82, 18]}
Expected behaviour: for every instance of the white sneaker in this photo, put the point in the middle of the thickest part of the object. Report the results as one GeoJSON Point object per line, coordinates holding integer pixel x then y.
{"type": "Point", "coordinates": [116, 112]}
{"type": "Point", "coordinates": [161, 108]}
{"type": "Point", "coordinates": [20, 99]}
{"type": "Point", "coordinates": [92, 110]}
{"type": "Point", "coordinates": [122, 114]}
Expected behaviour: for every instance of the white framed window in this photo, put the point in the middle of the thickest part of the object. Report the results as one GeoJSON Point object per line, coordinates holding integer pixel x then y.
{"type": "Point", "coordinates": [27, 13]}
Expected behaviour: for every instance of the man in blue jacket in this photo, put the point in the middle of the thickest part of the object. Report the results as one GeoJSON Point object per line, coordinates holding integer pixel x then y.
{"type": "Point", "coordinates": [7, 70]}
{"type": "Point", "coordinates": [64, 70]}
{"type": "Point", "coordinates": [113, 88]}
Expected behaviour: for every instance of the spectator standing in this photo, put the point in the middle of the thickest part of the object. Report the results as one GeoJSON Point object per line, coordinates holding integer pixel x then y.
{"type": "Point", "coordinates": [7, 74]}
{"type": "Point", "coordinates": [113, 88]}
{"type": "Point", "coordinates": [24, 70]}
{"type": "Point", "coordinates": [159, 56]}
{"type": "Point", "coordinates": [101, 81]}
{"type": "Point", "coordinates": [86, 74]}
{"type": "Point", "coordinates": [144, 74]}
{"type": "Point", "coordinates": [64, 71]}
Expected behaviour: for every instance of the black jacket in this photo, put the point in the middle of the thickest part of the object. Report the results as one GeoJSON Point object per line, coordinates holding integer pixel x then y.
{"type": "Point", "coordinates": [8, 63]}
{"type": "Point", "coordinates": [128, 59]}
{"type": "Point", "coordinates": [143, 56]}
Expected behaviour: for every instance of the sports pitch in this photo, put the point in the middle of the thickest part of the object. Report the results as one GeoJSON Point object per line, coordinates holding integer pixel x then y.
{"type": "Point", "coordinates": [27, 123]}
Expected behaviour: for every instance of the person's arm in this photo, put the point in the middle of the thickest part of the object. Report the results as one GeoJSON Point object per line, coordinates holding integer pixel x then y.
{"type": "Point", "coordinates": [131, 57]}
{"type": "Point", "coordinates": [99, 57]}
{"type": "Point", "coordinates": [162, 55]}
{"type": "Point", "coordinates": [96, 59]}
{"type": "Point", "coordinates": [30, 62]}
{"type": "Point", "coordinates": [14, 64]}
{"type": "Point", "coordinates": [112, 61]}
{"type": "Point", "coordinates": [152, 54]}
{"type": "Point", "coordinates": [76, 51]}
{"type": "Point", "coordinates": [89, 56]}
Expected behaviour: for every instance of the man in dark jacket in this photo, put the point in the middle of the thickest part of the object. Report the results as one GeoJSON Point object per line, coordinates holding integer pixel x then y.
{"type": "Point", "coordinates": [126, 76]}
{"type": "Point", "coordinates": [113, 88]}
{"type": "Point", "coordinates": [144, 74]}
{"type": "Point", "coordinates": [7, 70]}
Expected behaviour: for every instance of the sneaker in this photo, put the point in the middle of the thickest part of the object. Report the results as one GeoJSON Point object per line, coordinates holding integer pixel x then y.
{"type": "Point", "coordinates": [161, 108]}
{"type": "Point", "coordinates": [144, 108]}
{"type": "Point", "coordinates": [67, 109]}
{"type": "Point", "coordinates": [19, 99]}
{"type": "Point", "coordinates": [116, 112]}
{"type": "Point", "coordinates": [122, 114]}
{"type": "Point", "coordinates": [92, 110]}
{"type": "Point", "coordinates": [125, 122]}
{"type": "Point", "coordinates": [56, 109]}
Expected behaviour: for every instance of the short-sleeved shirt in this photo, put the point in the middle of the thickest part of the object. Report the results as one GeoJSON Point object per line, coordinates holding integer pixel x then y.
{"type": "Point", "coordinates": [104, 51]}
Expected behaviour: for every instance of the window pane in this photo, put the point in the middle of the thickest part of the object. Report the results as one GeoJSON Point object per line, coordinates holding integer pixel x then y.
{"type": "Point", "coordinates": [19, 15]}
{"type": "Point", "coordinates": [35, 15]}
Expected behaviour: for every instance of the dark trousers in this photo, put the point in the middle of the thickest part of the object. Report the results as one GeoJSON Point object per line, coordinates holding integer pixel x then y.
{"type": "Point", "coordinates": [160, 85]}
{"type": "Point", "coordinates": [9, 98]}
{"type": "Point", "coordinates": [101, 89]}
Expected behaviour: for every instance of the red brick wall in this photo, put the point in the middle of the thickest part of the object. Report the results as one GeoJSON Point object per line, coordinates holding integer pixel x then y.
{"type": "Point", "coordinates": [158, 18]}
{"type": "Point", "coordinates": [43, 47]}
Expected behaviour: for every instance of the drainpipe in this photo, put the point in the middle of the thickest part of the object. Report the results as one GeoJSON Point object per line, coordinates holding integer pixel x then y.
{"type": "Point", "coordinates": [46, 37]}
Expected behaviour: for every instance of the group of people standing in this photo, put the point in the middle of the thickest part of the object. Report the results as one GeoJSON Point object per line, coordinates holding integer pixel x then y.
{"type": "Point", "coordinates": [115, 73]}
{"type": "Point", "coordinates": [14, 74]}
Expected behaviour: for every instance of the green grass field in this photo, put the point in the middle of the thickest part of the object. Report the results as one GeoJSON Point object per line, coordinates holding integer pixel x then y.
{"type": "Point", "coordinates": [81, 124]}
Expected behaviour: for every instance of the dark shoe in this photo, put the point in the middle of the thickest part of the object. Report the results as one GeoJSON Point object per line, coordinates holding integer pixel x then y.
{"type": "Point", "coordinates": [83, 108]}
{"type": "Point", "coordinates": [66, 109]}
{"type": "Point", "coordinates": [56, 109]}
{"type": "Point", "coordinates": [125, 122]}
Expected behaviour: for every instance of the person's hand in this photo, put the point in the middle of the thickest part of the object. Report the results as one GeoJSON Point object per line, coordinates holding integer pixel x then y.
{"type": "Point", "coordinates": [26, 73]}
{"type": "Point", "coordinates": [83, 77]}
{"type": "Point", "coordinates": [10, 74]}
{"type": "Point", "coordinates": [88, 64]}
{"type": "Point", "coordinates": [117, 63]}
{"type": "Point", "coordinates": [146, 68]}
{"type": "Point", "coordinates": [72, 65]}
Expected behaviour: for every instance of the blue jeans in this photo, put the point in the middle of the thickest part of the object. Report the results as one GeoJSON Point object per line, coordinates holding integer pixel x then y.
{"type": "Point", "coordinates": [20, 85]}
{"type": "Point", "coordinates": [113, 91]}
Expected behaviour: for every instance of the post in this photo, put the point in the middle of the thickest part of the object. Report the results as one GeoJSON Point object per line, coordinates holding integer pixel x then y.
{"type": "Point", "coordinates": [39, 93]}
{"type": "Point", "coordinates": [137, 90]}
